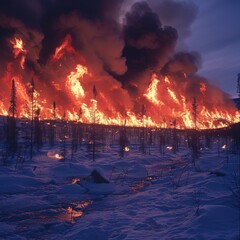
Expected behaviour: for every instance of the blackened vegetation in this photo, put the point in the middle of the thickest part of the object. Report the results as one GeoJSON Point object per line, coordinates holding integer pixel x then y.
{"type": "Point", "coordinates": [71, 138]}
{"type": "Point", "coordinates": [75, 139]}
{"type": "Point", "coordinates": [94, 120]}
{"type": "Point", "coordinates": [31, 111]}
{"type": "Point", "coordinates": [123, 140]}
{"type": "Point", "coordinates": [11, 136]}
{"type": "Point", "coordinates": [11, 126]}
{"type": "Point", "coordinates": [235, 134]}
{"type": "Point", "coordinates": [10, 131]}
{"type": "Point", "coordinates": [143, 132]}
{"type": "Point", "coordinates": [64, 137]}
{"type": "Point", "coordinates": [38, 131]}
{"type": "Point", "coordinates": [194, 138]}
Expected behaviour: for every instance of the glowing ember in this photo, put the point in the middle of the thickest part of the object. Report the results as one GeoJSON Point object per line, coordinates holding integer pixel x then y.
{"type": "Point", "coordinates": [76, 210]}
{"type": "Point", "coordinates": [58, 156]}
{"type": "Point", "coordinates": [84, 204]}
{"type": "Point", "coordinates": [75, 180]}
{"type": "Point", "coordinates": [54, 155]}
{"type": "Point", "coordinates": [74, 213]}
{"type": "Point", "coordinates": [126, 149]}
{"type": "Point", "coordinates": [224, 146]}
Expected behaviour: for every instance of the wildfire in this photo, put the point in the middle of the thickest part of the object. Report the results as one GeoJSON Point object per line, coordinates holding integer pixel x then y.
{"type": "Point", "coordinates": [83, 95]}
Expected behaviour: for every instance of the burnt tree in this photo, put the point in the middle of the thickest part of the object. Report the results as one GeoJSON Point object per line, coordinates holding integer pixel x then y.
{"type": "Point", "coordinates": [93, 132]}
{"type": "Point", "coordinates": [31, 91]}
{"type": "Point", "coordinates": [11, 128]}
{"type": "Point", "coordinates": [194, 136]}
{"type": "Point", "coordinates": [37, 130]}
{"type": "Point", "coordinates": [142, 133]}
{"type": "Point", "coordinates": [123, 141]}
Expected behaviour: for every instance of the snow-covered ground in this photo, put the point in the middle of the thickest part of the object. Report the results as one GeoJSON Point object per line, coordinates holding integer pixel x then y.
{"type": "Point", "coordinates": [150, 196]}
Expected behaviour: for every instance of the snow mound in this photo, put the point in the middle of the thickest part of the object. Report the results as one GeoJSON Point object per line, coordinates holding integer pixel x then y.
{"type": "Point", "coordinates": [97, 182]}
{"type": "Point", "coordinates": [16, 184]}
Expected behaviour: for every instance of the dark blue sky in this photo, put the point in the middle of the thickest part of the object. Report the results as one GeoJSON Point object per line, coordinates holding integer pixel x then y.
{"type": "Point", "coordinates": [216, 36]}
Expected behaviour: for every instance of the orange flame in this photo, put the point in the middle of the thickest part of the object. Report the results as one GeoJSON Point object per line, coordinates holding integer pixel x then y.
{"type": "Point", "coordinates": [18, 48]}
{"type": "Point", "coordinates": [73, 83]}
{"type": "Point", "coordinates": [165, 98]}
{"type": "Point", "coordinates": [151, 94]}
{"type": "Point", "coordinates": [173, 95]}
{"type": "Point", "coordinates": [64, 47]}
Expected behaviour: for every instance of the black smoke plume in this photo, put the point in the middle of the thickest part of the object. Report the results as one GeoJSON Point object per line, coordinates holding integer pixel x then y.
{"type": "Point", "coordinates": [148, 44]}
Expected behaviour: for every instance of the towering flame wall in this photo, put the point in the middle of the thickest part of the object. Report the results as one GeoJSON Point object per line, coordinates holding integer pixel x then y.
{"type": "Point", "coordinates": [97, 68]}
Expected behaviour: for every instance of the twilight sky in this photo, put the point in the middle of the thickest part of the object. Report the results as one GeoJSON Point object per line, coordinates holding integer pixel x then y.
{"type": "Point", "coordinates": [210, 27]}
{"type": "Point", "coordinates": [216, 36]}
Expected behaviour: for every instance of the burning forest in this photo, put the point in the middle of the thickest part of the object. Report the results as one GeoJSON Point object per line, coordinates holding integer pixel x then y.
{"type": "Point", "coordinates": [107, 128]}
{"type": "Point", "coordinates": [95, 62]}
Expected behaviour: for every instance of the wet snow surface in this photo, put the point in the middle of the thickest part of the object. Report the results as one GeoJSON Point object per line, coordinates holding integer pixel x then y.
{"type": "Point", "coordinates": [156, 196]}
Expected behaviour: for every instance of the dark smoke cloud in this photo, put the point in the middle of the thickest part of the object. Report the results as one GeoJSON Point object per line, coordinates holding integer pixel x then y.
{"type": "Point", "coordinates": [144, 44]}
{"type": "Point", "coordinates": [43, 25]}
{"type": "Point", "coordinates": [11, 27]}
{"type": "Point", "coordinates": [178, 14]}
{"type": "Point", "coordinates": [129, 53]}
{"type": "Point", "coordinates": [27, 11]}
{"type": "Point", "coordinates": [43, 15]}
{"type": "Point", "coordinates": [91, 10]}
{"type": "Point", "coordinates": [98, 42]}
{"type": "Point", "coordinates": [183, 63]}
{"type": "Point", "coordinates": [147, 43]}
{"type": "Point", "coordinates": [35, 13]}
